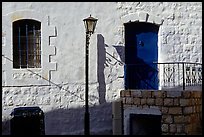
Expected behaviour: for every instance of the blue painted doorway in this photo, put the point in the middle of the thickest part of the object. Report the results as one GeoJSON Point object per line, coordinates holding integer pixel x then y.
{"type": "Point", "coordinates": [141, 53]}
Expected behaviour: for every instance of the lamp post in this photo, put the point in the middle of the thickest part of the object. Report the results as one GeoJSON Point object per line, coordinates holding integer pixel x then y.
{"type": "Point", "coordinates": [90, 24]}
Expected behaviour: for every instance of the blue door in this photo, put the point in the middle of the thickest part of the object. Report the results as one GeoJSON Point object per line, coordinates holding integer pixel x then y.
{"type": "Point", "coordinates": [141, 51]}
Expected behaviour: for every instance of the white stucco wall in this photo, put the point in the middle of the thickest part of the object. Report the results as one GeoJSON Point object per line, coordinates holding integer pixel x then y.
{"type": "Point", "coordinates": [61, 97]}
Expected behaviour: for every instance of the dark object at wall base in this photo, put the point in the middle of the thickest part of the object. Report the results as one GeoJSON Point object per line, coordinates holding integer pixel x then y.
{"type": "Point", "coordinates": [27, 121]}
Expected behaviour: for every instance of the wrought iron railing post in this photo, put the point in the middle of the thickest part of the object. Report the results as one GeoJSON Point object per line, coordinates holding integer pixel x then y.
{"type": "Point", "coordinates": [183, 77]}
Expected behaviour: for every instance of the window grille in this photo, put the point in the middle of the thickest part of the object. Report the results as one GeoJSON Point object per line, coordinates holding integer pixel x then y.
{"type": "Point", "coordinates": [26, 44]}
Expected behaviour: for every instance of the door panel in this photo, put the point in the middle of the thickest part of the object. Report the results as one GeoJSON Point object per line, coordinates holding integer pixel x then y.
{"type": "Point", "coordinates": [141, 51]}
{"type": "Point", "coordinates": [147, 47]}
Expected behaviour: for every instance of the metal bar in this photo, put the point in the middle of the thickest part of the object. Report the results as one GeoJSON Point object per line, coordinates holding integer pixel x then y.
{"type": "Point", "coordinates": [178, 74]}
{"type": "Point", "coordinates": [159, 76]}
{"type": "Point", "coordinates": [183, 77]}
{"type": "Point", "coordinates": [86, 116]}
{"type": "Point", "coordinates": [19, 45]}
{"type": "Point", "coordinates": [169, 79]}
{"type": "Point", "coordinates": [39, 49]}
{"type": "Point", "coordinates": [164, 74]}
{"type": "Point", "coordinates": [27, 43]}
{"type": "Point", "coordinates": [176, 63]}
{"type": "Point", "coordinates": [173, 75]}
{"type": "Point", "coordinates": [194, 74]}
{"type": "Point", "coordinates": [34, 40]}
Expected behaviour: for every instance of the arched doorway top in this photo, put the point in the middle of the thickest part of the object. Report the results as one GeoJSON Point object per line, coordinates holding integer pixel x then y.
{"type": "Point", "coordinates": [142, 17]}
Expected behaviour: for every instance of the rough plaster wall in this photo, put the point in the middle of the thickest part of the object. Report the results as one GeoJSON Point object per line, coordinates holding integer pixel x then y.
{"type": "Point", "coordinates": [179, 40]}
{"type": "Point", "coordinates": [63, 108]}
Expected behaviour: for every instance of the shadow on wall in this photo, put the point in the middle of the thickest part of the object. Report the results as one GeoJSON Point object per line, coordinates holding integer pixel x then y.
{"type": "Point", "coordinates": [121, 52]}
{"type": "Point", "coordinates": [101, 52]}
{"type": "Point", "coordinates": [5, 127]}
{"type": "Point", "coordinates": [71, 121]}
{"type": "Point", "coordinates": [105, 59]}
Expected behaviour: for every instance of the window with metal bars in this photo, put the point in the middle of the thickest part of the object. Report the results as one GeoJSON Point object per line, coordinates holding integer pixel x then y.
{"type": "Point", "coordinates": [27, 44]}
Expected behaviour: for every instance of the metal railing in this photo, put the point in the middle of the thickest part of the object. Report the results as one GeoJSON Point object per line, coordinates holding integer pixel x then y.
{"type": "Point", "coordinates": [163, 75]}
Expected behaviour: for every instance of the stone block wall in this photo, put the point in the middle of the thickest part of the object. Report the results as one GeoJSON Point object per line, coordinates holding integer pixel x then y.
{"type": "Point", "coordinates": [181, 110]}
{"type": "Point", "coordinates": [179, 37]}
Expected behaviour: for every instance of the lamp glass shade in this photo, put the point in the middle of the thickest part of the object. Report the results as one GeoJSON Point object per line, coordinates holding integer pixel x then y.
{"type": "Point", "coordinates": [90, 24]}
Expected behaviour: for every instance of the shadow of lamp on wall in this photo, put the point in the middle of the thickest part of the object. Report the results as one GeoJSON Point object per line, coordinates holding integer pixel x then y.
{"type": "Point", "coordinates": [90, 24]}
{"type": "Point", "coordinates": [101, 54]}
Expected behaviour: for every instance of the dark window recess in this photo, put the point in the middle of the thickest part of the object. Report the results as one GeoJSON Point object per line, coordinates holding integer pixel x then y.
{"type": "Point", "coordinates": [26, 44]}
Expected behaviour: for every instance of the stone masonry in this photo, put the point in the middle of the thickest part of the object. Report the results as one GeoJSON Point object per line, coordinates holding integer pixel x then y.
{"type": "Point", "coordinates": [181, 110]}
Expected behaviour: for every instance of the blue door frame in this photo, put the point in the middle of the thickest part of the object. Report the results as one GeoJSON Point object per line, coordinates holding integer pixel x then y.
{"type": "Point", "coordinates": [141, 50]}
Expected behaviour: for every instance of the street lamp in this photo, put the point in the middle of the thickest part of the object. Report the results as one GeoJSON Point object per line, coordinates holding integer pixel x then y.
{"type": "Point", "coordinates": [90, 24]}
